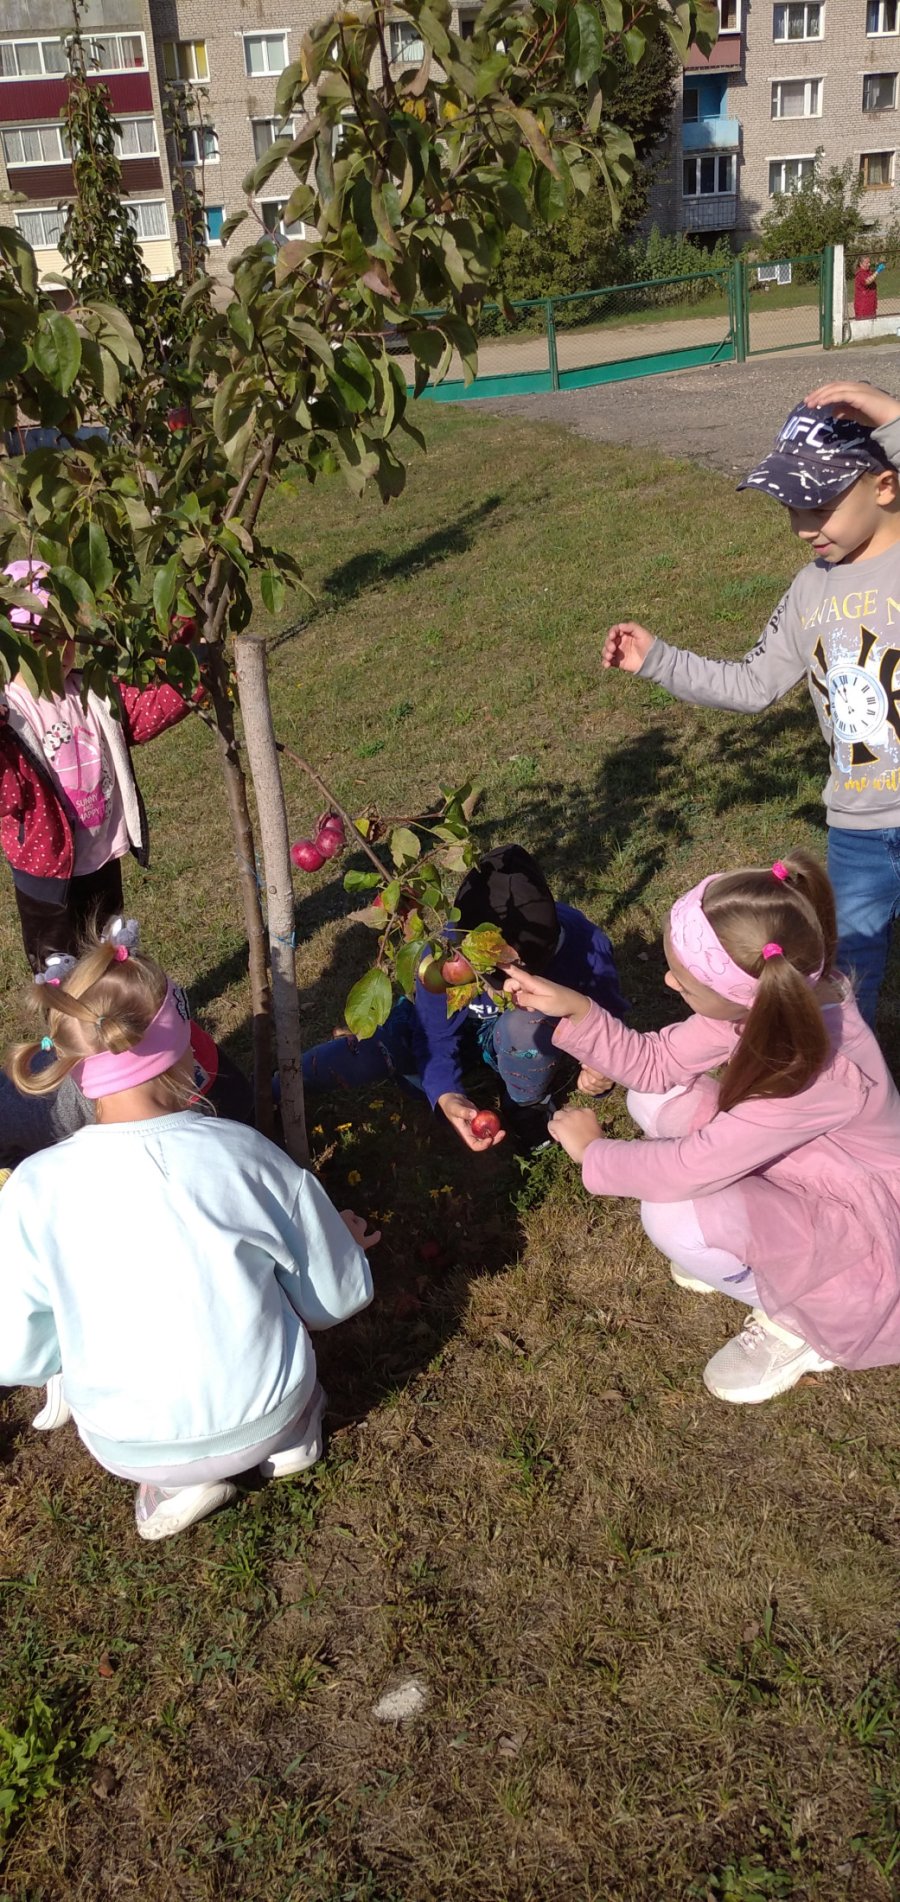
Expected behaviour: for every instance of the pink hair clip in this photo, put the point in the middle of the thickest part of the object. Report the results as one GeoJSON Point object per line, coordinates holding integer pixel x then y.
{"type": "Point", "coordinates": [52, 980]}
{"type": "Point", "coordinates": [772, 951]}
{"type": "Point", "coordinates": [780, 870]}
{"type": "Point", "coordinates": [121, 953]}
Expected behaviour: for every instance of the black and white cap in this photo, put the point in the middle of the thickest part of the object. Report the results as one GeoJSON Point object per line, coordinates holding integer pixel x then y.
{"type": "Point", "coordinates": [816, 457]}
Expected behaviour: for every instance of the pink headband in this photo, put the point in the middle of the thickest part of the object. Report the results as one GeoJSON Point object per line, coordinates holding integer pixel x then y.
{"type": "Point", "coordinates": [164, 1041]}
{"type": "Point", "coordinates": [696, 946]}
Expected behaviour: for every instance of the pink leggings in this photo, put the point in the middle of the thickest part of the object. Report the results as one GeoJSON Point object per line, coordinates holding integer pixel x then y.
{"type": "Point", "coordinates": [674, 1227]}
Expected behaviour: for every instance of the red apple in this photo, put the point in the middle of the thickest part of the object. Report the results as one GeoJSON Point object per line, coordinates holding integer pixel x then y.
{"type": "Point", "coordinates": [177, 419]}
{"type": "Point", "coordinates": [457, 969]}
{"type": "Point", "coordinates": [330, 822]}
{"type": "Point", "coordinates": [485, 1124]}
{"type": "Point", "coordinates": [184, 629]}
{"type": "Point", "coordinates": [431, 977]}
{"type": "Point", "coordinates": [307, 856]}
{"type": "Point", "coordinates": [329, 843]}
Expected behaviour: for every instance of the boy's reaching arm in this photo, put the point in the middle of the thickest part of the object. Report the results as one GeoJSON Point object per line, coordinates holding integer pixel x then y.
{"type": "Point", "coordinates": [770, 669]}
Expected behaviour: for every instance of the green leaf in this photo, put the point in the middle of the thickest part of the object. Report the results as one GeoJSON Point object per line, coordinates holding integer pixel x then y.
{"type": "Point", "coordinates": [96, 1741]}
{"type": "Point", "coordinates": [369, 1004]}
{"type": "Point", "coordinates": [165, 588]}
{"type": "Point", "coordinates": [239, 322]}
{"type": "Point", "coordinates": [405, 847]}
{"type": "Point", "coordinates": [459, 996]}
{"type": "Point", "coordinates": [361, 881]}
{"type": "Point", "coordinates": [615, 19]}
{"type": "Point", "coordinates": [57, 351]}
{"type": "Point", "coordinates": [409, 957]}
{"type": "Point", "coordinates": [272, 589]}
{"type": "Point", "coordinates": [485, 947]}
{"type": "Point", "coordinates": [93, 557]}
{"type": "Point", "coordinates": [233, 224]}
{"type": "Point", "coordinates": [390, 897]}
{"type": "Point", "coordinates": [584, 43]}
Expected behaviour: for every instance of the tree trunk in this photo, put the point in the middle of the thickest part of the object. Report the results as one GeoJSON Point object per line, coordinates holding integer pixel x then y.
{"type": "Point", "coordinates": [262, 753]}
{"type": "Point", "coordinates": [216, 677]}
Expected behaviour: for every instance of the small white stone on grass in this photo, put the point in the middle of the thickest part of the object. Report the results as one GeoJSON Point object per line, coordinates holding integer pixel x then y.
{"type": "Point", "coordinates": [401, 1701]}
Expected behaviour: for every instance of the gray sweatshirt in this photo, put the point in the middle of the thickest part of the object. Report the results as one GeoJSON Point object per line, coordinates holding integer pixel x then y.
{"type": "Point", "coordinates": [840, 626]}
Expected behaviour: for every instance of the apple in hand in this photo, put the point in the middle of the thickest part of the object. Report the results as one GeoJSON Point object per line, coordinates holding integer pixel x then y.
{"type": "Point", "coordinates": [485, 1125]}
{"type": "Point", "coordinates": [307, 856]}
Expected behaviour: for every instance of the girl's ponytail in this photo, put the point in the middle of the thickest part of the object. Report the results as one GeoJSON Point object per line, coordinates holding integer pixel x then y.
{"type": "Point", "coordinates": [778, 925]}
{"type": "Point", "coordinates": [106, 1003]}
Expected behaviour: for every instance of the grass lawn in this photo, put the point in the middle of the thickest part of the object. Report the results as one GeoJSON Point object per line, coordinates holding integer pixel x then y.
{"type": "Point", "coordinates": [657, 1633]}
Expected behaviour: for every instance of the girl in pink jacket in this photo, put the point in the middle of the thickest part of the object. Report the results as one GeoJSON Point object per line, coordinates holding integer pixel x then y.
{"type": "Point", "coordinates": [776, 1179]}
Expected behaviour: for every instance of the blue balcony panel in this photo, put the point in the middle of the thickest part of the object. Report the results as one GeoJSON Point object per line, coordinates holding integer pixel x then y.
{"type": "Point", "coordinates": [711, 135]}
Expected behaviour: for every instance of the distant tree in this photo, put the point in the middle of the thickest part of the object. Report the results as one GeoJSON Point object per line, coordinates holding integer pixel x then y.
{"type": "Point", "coordinates": [583, 244]}
{"type": "Point", "coordinates": [98, 240]}
{"type": "Point", "coordinates": [825, 209]}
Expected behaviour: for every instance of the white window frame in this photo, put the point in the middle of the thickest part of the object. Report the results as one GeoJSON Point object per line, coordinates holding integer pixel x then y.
{"type": "Point", "coordinates": [40, 41]}
{"type": "Point", "coordinates": [880, 31]}
{"type": "Point", "coordinates": [62, 156]}
{"type": "Point", "coordinates": [798, 39]}
{"type": "Point", "coordinates": [878, 151]}
{"type": "Point", "coordinates": [136, 205]}
{"type": "Point", "coordinates": [719, 159]}
{"type": "Point", "coordinates": [807, 82]}
{"type": "Point", "coordinates": [283, 231]}
{"type": "Point", "coordinates": [876, 109]}
{"type": "Point", "coordinates": [739, 19]}
{"type": "Point", "coordinates": [789, 158]}
{"type": "Point", "coordinates": [178, 79]}
{"type": "Point", "coordinates": [278, 131]}
{"type": "Point", "coordinates": [137, 118]}
{"type": "Point", "coordinates": [94, 42]}
{"type": "Point", "coordinates": [408, 50]}
{"type": "Point", "coordinates": [269, 72]}
{"type": "Point", "coordinates": [200, 159]}
{"type": "Point", "coordinates": [42, 211]}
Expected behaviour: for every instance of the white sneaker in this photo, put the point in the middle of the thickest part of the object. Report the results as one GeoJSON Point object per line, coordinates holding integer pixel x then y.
{"type": "Point", "coordinates": [762, 1361]}
{"type": "Point", "coordinates": [55, 1411]}
{"type": "Point", "coordinates": [691, 1282]}
{"type": "Point", "coordinates": [161, 1511]}
{"type": "Point", "coordinates": [307, 1448]}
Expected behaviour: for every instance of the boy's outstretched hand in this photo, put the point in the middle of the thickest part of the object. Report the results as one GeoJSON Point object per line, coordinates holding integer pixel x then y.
{"type": "Point", "coordinates": [627, 646]}
{"type": "Point", "coordinates": [357, 1226]}
{"type": "Point", "coordinates": [552, 1000]}
{"type": "Point", "coordinates": [574, 1130]}
{"type": "Point", "coordinates": [861, 402]}
{"type": "Point", "coordinates": [461, 1114]}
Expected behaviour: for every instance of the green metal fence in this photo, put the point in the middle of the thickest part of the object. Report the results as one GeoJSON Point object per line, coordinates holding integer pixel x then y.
{"type": "Point", "coordinates": [635, 330]}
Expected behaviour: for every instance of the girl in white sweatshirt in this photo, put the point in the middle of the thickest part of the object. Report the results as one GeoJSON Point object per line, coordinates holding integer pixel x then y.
{"type": "Point", "coordinates": [171, 1264]}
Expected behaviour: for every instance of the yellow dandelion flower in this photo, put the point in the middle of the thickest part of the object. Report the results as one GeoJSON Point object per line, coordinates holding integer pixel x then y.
{"type": "Point", "coordinates": [434, 1193]}
{"type": "Point", "coordinates": [386, 1216]}
{"type": "Point", "coordinates": [446, 1190]}
{"type": "Point", "coordinates": [354, 1177]}
{"type": "Point", "coordinates": [378, 1103]}
{"type": "Point", "coordinates": [318, 1130]}
{"type": "Point", "coordinates": [343, 1127]}
{"type": "Point", "coordinates": [395, 1118]}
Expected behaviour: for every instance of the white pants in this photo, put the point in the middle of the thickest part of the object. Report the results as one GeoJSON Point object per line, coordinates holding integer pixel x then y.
{"type": "Point", "coordinates": [303, 1434]}
{"type": "Point", "coordinates": [674, 1227]}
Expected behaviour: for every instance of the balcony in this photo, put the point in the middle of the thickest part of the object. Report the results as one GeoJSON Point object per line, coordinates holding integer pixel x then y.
{"type": "Point", "coordinates": [727, 56]}
{"type": "Point", "coordinates": [711, 135]}
{"type": "Point", "coordinates": [715, 212]}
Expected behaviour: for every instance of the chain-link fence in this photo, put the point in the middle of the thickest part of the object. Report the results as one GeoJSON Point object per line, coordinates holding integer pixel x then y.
{"type": "Point", "coordinates": [784, 302]}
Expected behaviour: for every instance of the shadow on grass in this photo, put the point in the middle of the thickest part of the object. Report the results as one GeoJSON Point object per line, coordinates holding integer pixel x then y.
{"type": "Point", "coordinates": [762, 757]}
{"type": "Point", "coordinates": [376, 568]}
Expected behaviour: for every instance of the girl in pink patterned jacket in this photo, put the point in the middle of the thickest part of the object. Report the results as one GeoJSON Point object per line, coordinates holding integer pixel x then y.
{"type": "Point", "coordinates": [777, 1179]}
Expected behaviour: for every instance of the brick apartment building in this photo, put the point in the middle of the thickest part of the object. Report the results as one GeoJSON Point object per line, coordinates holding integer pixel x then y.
{"type": "Point", "coordinates": [786, 79]}
{"type": "Point", "coordinates": [226, 60]}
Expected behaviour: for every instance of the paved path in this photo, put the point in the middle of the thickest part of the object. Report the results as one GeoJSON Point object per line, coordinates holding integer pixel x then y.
{"type": "Point", "coordinates": [727, 415]}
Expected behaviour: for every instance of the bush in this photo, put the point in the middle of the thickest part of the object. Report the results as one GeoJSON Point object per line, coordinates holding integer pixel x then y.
{"type": "Point", "coordinates": [825, 209]}
{"type": "Point", "coordinates": [676, 255]}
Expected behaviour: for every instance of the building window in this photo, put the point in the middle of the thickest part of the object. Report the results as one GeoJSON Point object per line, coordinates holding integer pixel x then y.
{"type": "Point", "coordinates": [796, 98]}
{"type": "Point", "coordinates": [35, 145]}
{"type": "Point", "coordinates": [30, 59]}
{"type": "Point", "coordinates": [201, 145]}
{"type": "Point", "coordinates": [271, 211]}
{"type": "Point", "coordinates": [215, 218]}
{"type": "Point", "coordinates": [41, 229]}
{"type": "Point", "coordinates": [136, 138]}
{"type": "Point", "coordinates": [690, 110]}
{"type": "Point", "coordinates": [729, 16]}
{"type": "Point", "coordinates": [265, 53]}
{"type": "Point", "coordinates": [116, 53]}
{"type": "Point", "coordinates": [876, 169]}
{"type": "Point", "coordinates": [803, 22]}
{"type": "Point", "coordinates": [149, 218]}
{"type": "Point", "coordinates": [882, 16]}
{"type": "Point", "coordinates": [788, 174]}
{"type": "Point", "coordinates": [185, 62]}
{"type": "Point", "coordinates": [405, 44]}
{"type": "Point", "coordinates": [265, 132]}
{"type": "Point", "coordinates": [879, 92]}
{"type": "Point", "coordinates": [708, 176]}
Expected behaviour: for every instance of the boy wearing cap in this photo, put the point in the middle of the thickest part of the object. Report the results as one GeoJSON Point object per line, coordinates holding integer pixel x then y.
{"type": "Point", "coordinates": [834, 468]}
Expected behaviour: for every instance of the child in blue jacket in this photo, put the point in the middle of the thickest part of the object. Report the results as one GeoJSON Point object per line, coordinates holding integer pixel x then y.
{"type": "Point", "coordinates": [422, 1046]}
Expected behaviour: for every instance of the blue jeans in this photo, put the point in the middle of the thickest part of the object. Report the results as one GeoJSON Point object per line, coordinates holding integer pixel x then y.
{"type": "Point", "coordinates": [864, 868]}
{"type": "Point", "coordinates": [520, 1049]}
